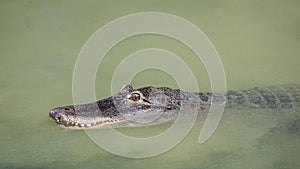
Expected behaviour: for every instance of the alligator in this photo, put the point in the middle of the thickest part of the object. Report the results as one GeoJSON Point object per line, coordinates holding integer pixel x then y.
{"type": "Point", "coordinates": [154, 105]}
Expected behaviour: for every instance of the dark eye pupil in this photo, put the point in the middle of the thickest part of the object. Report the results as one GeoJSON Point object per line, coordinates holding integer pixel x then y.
{"type": "Point", "coordinates": [135, 97]}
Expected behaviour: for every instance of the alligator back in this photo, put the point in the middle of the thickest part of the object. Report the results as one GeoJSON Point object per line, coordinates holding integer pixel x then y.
{"type": "Point", "coordinates": [273, 97]}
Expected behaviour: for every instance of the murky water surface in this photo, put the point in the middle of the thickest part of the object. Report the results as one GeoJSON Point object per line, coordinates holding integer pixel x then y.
{"type": "Point", "coordinates": [258, 42]}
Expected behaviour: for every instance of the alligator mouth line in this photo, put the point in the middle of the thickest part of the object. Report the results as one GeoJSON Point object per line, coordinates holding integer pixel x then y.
{"type": "Point", "coordinates": [77, 124]}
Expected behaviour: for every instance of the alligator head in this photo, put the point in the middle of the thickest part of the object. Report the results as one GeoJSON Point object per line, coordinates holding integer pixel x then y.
{"type": "Point", "coordinates": [129, 107]}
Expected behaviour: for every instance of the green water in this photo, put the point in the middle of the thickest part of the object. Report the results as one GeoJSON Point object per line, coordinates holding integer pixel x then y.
{"type": "Point", "coordinates": [258, 42]}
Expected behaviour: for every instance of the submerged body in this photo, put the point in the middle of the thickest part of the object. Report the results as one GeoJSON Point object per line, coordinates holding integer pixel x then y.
{"type": "Point", "coordinates": [152, 105]}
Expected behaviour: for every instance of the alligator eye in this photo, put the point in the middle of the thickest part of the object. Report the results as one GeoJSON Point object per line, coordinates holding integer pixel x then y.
{"type": "Point", "coordinates": [67, 109]}
{"type": "Point", "coordinates": [135, 97]}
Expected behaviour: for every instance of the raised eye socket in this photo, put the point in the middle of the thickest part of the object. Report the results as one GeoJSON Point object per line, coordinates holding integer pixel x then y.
{"type": "Point", "coordinates": [67, 109]}
{"type": "Point", "coordinates": [135, 97]}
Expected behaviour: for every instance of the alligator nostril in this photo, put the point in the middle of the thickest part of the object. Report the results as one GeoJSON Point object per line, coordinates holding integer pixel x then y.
{"type": "Point", "coordinates": [51, 113]}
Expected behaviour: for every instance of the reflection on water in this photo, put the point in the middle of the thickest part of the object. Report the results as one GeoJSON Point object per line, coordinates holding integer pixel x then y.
{"type": "Point", "coordinates": [258, 43]}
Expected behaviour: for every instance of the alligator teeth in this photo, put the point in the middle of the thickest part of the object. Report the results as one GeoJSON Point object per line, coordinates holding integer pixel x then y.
{"type": "Point", "coordinates": [81, 125]}
{"type": "Point", "coordinates": [88, 125]}
{"type": "Point", "coordinates": [76, 124]}
{"type": "Point", "coordinates": [72, 122]}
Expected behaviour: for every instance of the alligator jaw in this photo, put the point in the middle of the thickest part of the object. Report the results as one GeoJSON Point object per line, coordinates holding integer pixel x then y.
{"type": "Point", "coordinates": [67, 117]}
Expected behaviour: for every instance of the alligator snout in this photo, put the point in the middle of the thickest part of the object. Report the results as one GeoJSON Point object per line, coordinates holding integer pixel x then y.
{"type": "Point", "coordinates": [85, 117]}
{"type": "Point", "coordinates": [57, 115]}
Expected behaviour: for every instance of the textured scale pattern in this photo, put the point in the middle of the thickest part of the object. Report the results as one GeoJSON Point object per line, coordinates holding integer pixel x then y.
{"type": "Point", "coordinates": [132, 107]}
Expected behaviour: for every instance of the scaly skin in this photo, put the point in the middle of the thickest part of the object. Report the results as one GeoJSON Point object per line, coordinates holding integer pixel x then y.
{"type": "Point", "coordinates": [152, 105]}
